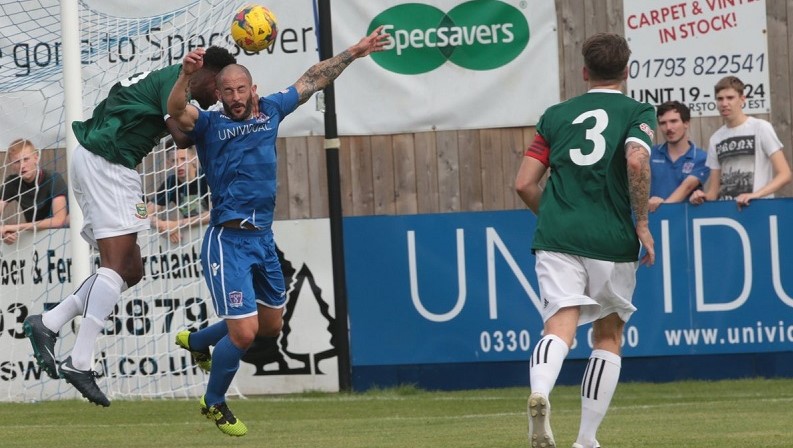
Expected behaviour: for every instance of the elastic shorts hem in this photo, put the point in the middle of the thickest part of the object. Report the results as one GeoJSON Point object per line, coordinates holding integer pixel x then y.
{"type": "Point", "coordinates": [270, 305]}
{"type": "Point", "coordinates": [237, 316]}
{"type": "Point", "coordinates": [589, 309]}
{"type": "Point", "coordinates": [144, 225]}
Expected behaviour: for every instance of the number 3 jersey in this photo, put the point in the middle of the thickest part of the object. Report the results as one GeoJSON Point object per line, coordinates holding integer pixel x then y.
{"type": "Point", "coordinates": [239, 159]}
{"type": "Point", "coordinates": [585, 208]}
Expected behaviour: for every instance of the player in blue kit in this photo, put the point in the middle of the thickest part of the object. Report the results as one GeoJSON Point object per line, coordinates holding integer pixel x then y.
{"type": "Point", "coordinates": [236, 149]}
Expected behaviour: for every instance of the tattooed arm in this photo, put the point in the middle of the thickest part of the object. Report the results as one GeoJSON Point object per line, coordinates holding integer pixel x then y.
{"type": "Point", "coordinates": [184, 114]}
{"type": "Point", "coordinates": [639, 188]}
{"type": "Point", "coordinates": [320, 75]}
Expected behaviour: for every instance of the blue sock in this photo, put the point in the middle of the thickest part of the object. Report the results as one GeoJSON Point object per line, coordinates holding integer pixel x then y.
{"type": "Point", "coordinates": [201, 340]}
{"type": "Point", "coordinates": [225, 362]}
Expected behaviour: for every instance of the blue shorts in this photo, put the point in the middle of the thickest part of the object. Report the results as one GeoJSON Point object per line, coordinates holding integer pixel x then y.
{"type": "Point", "coordinates": [241, 269]}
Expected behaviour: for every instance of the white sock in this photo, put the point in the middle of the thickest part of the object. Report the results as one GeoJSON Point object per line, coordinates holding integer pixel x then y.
{"type": "Point", "coordinates": [546, 363]}
{"type": "Point", "coordinates": [597, 388]}
{"type": "Point", "coordinates": [100, 302]}
{"type": "Point", "coordinates": [69, 308]}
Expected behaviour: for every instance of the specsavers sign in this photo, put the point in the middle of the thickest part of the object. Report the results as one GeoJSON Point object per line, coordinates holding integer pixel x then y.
{"type": "Point", "coordinates": [476, 35]}
{"type": "Point", "coordinates": [449, 65]}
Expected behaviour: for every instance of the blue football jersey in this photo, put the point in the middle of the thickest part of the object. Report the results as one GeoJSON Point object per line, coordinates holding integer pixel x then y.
{"type": "Point", "coordinates": [239, 159]}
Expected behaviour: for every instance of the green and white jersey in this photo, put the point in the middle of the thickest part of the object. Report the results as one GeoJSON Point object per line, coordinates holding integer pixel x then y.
{"type": "Point", "coordinates": [585, 209]}
{"type": "Point", "coordinates": [127, 124]}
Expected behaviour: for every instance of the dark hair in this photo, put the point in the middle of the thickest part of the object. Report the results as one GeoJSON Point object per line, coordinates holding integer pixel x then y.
{"type": "Point", "coordinates": [216, 58]}
{"type": "Point", "coordinates": [729, 82]}
{"type": "Point", "coordinates": [677, 106]}
{"type": "Point", "coordinates": [606, 56]}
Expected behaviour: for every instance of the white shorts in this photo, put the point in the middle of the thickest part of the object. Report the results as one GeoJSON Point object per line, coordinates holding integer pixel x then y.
{"type": "Point", "coordinates": [599, 287]}
{"type": "Point", "coordinates": [110, 196]}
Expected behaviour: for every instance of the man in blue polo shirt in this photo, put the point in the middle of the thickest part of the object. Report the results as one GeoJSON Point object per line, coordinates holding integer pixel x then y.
{"type": "Point", "coordinates": [678, 166]}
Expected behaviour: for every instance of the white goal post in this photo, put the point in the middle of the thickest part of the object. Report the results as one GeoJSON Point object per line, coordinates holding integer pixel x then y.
{"type": "Point", "coordinates": [47, 81]}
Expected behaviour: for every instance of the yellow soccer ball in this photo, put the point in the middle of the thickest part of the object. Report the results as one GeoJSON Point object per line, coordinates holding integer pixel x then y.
{"type": "Point", "coordinates": [254, 28]}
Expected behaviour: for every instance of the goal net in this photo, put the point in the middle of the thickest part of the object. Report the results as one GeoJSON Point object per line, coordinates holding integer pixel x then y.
{"type": "Point", "coordinates": [136, 357]}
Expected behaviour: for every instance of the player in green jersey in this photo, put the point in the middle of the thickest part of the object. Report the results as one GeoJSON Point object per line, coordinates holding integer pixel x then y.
{"type": "Point", "coordinates": [591, 224]}
{"type": "Point", "coordinates": [124, 128]}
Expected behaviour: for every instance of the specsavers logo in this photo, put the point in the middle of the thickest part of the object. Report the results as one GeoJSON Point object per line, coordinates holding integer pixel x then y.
{"type": "Point", "coordinates": [477, 35]}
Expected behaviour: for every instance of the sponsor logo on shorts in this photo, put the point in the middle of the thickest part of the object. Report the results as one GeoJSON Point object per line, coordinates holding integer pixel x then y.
{"type": "Point", "coordinates": [214, 267]}
{"type": "Point", "coordinates": [235, 299]}
{"type": "Point", "coordinates": [140, 211]}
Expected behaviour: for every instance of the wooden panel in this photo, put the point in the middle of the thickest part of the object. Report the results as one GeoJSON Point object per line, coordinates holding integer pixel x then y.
{"type": "Point", "coordinates": [694, 134]}
{"type": "Point", "coordinates": [427, 183]}
{"type": "Point", "coordinates": [707, 126]}
{"type": "Point", "coordinates": [282, 193]}
{"type": "Point", "coordinates": [470, 170]}
{"type": "Point", "coordinates": [571, 26]}
{"type": "Point", "coordinates": [448, 171]}
{"type": "Point", "coordinates": [514, 147]}
{"type": "Point", "coordinates": [383, 175]}
{"type": "Point", "coordinates": [317, 177]}
{"type": "Point", "coordinates": [604, 16]}
{"type": "Point", "coordinates": [406, 201]}
{"type": "Point", "coordinates": [297, 178]}
{"type": "Point", "coordinates": [494, 179]}
{"type": "Point", "coordinates": [362, 186]}
{"type": "Point", "coordinates": [345, 172]}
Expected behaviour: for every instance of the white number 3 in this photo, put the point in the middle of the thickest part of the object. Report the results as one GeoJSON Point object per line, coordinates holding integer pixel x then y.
{"type": "Point", "coordinates": [594, 135]}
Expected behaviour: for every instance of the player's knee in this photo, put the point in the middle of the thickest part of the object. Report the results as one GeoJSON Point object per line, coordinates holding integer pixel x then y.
{"type": "Point", "coordinates": [245, 340]}
{"type": "Point", "coordinates": [133, 275]}
{"type": "Point", "coordinates": [272, 329]}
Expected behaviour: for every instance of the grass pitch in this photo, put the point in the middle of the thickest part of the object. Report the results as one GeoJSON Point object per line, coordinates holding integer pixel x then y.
{"type": "Point", "coordinates": [720, 414]}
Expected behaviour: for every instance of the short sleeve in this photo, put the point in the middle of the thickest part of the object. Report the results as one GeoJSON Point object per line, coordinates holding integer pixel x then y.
{"type": "Point", "coordinates": [286, 101]}
{"type": "Point", "coordinates": [163, 195]}
{"type": "Point", "coordinates": [5, 195]}
{"type": "Point", "coordinates": [200, 126]}
{"type": "Point", "coordinates": [712, 161]}
{"type": "Point", "coordinates": [642, 128]}
{"type": "Point", "coordinates": [10, 188]}
{"type": "Point", "coordinates": [58, 185]}
{"type": "Point", "coordinates": [767, 138]}
{"type": "Point", "coordinates": [701, 170]}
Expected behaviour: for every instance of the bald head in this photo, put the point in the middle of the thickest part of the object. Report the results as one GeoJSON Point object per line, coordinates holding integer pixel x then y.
{"type": "Point", "coordinates": [233, 70]}
{"type": "Point", "coordinates": [236, 90]}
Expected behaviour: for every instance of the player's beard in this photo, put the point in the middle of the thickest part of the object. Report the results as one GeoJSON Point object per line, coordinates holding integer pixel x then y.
{"type": "Point", "coordinates": [229, 108]}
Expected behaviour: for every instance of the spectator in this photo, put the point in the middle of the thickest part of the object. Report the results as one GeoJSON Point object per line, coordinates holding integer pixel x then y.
{"type": "Point", "coordinates": [186, 189]}
{"type": "Point", "coordinates": [744, 155]}
{"type": "Point", "coordinates": [678, 166]}
{"type": "Point", "coordinates": [41, 194]}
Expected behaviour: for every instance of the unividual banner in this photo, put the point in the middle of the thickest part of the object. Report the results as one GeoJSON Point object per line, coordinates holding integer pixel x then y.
{"type": "Point", "coordinates": [461, 287]}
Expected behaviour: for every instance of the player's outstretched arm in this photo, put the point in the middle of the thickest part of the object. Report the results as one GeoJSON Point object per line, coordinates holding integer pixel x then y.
{"type": "Point", "coordinates": [179, 109]}
{"type": "Point", "coordinates": [321, 74]}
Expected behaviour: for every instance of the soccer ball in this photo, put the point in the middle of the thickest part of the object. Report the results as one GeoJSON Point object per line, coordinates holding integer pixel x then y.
{"type": "Point", "coordinates": [254, 28]}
